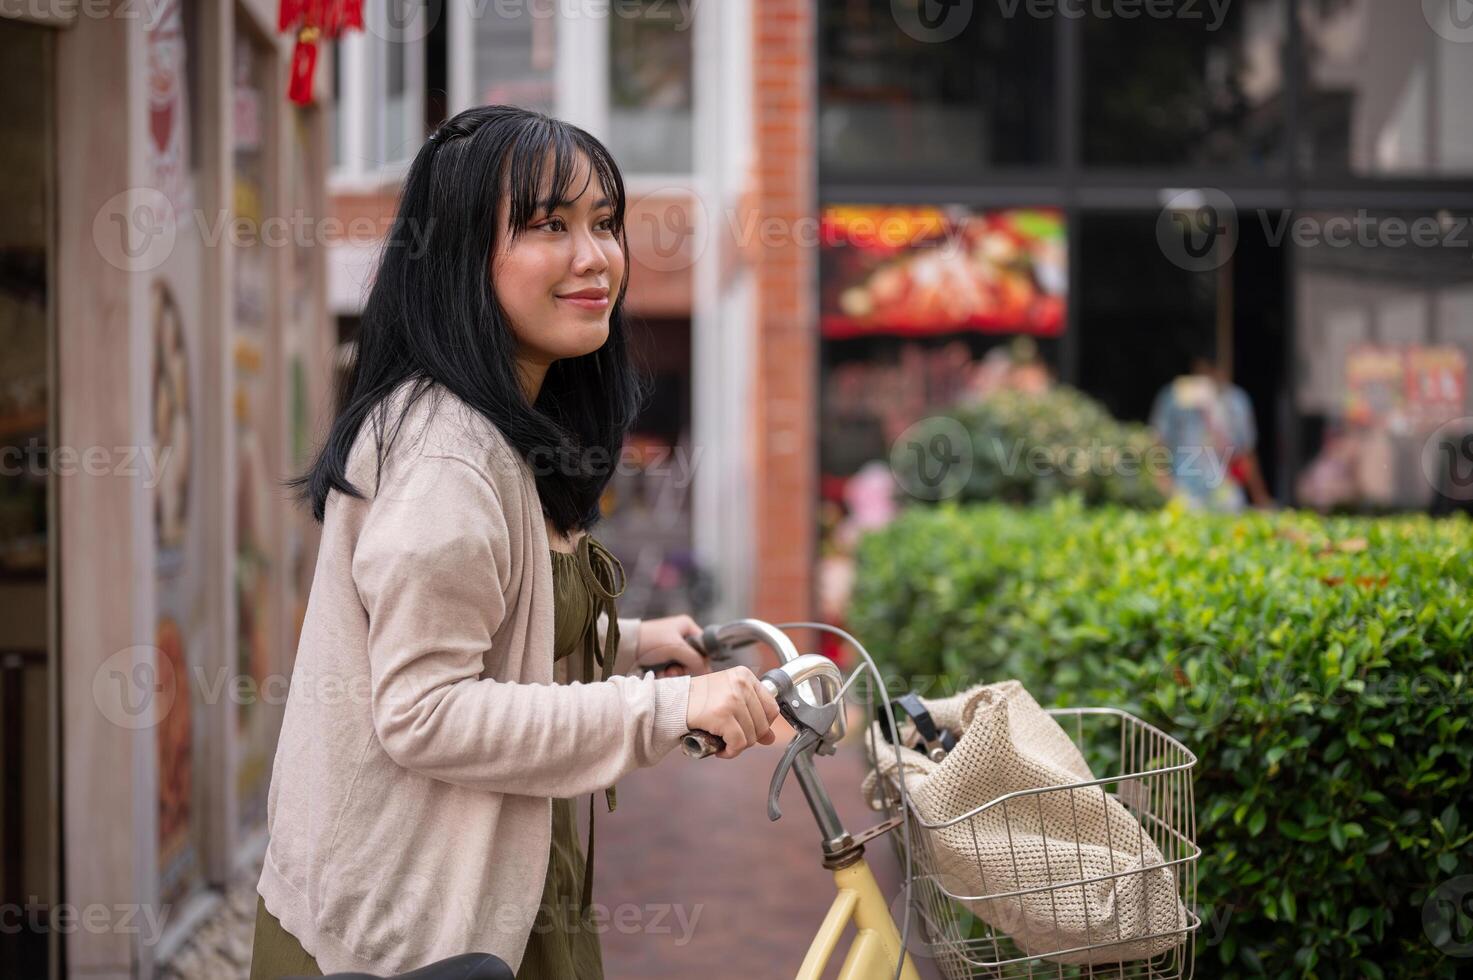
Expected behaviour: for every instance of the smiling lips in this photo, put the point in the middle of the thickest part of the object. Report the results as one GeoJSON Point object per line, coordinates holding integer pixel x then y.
{"type": "Point", "coordinates": [588, 299]}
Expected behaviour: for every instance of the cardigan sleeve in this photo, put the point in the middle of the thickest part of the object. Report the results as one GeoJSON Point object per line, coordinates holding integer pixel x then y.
{"type": "Point", "coordinates": [430, 563]}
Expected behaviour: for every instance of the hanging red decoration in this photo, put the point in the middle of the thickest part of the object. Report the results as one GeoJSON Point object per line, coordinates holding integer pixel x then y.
{"type": "Point", "coordinates": [314, 21]}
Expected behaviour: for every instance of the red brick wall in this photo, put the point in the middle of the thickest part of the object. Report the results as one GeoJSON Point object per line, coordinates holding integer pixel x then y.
{"type": "Point", "coordinates": [786, 405]}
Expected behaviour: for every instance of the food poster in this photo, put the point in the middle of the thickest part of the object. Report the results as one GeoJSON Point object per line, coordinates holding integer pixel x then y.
{"type": "Point", "coordinates": [1412, 388]}
{"type": "Point", "coordinates": [172, 472]}
{"type": "Point", "coordinates": [169, 104]}
{"type": "Point", "coordinates": [937, 270]}
{"type": "Point", "coordinates": [1375, 389]}
{"type": "Point", "coordinates": [1436, 385]}
{"type": "Point", "coordinates": [254, 398]}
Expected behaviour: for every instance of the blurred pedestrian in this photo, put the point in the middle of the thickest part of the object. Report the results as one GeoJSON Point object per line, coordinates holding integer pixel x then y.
{"type": "Point", "coordinates": [1207, 423]}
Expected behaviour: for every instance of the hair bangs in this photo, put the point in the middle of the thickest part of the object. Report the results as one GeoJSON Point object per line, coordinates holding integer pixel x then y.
{"type": "Point", "coordinates": [541, 166]}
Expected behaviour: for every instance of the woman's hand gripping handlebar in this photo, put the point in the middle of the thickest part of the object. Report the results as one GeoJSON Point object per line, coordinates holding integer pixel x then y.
{"type": "Point", "coordinates": [729, 711]}
{"type": "Point", "coordinates": [716, 713]}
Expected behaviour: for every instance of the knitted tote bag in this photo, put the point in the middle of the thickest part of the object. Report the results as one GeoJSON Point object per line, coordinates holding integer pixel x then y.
{"type": "Point", "coordinates": [1007, 743]}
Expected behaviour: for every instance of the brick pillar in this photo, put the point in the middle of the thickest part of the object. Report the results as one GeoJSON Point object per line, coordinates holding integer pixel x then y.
{"type": "Point", "coordinates": [786, 402]}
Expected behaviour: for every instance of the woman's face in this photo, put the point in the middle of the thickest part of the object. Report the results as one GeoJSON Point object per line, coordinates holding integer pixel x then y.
{"type": "Point", "coordinates": [558, 279]}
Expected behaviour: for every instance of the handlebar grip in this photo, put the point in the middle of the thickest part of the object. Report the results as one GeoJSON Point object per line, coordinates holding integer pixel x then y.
{"type": "Point", "coordinates": [698, 743]}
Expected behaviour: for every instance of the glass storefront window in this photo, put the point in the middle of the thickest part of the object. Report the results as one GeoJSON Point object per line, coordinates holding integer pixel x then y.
{"type": "Point", "coordinates": [1383, 342]}
{"type": "Point", "coordinates": [399, 142]}
{"type": "Point", "coordinates": [895, 93]}
{"type": "Point", "coordinates": [27, 524]}
{"type": "Point", "coordinates": [1201, 87]}
{"type": "Point", "coordinates": [514, 56]}
{"type": "Point", "coordinates": [1383, 90]}
{"type": "Point", "coordinates": [1146, 314]}
{"type": "Point", "coordinates": [650, 94]}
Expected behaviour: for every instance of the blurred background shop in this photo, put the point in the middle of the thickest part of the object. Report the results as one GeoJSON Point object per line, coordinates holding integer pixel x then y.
{"type": "Point", "coordinates": [164, 365]}
{"type": "Point", "coordinates": [1283, 186]}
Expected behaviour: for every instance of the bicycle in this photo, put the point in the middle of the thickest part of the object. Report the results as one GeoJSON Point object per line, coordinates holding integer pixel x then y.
{"type": "Point", "coordinates": [1151, 776]}
{"type": "Point", "coordinates": [810, 690]}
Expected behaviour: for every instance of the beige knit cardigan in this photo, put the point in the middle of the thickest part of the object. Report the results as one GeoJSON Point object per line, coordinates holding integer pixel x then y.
{"type": "Point", "coordinates": [409, 811]}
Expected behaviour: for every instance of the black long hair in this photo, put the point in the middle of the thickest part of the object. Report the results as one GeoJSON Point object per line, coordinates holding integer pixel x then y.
{"type": "Point", "coordinates": [432, 316]}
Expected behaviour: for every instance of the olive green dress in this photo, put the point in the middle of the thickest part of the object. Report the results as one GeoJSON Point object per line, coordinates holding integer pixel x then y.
{"type": "Point", "coordinates": [561, 945]}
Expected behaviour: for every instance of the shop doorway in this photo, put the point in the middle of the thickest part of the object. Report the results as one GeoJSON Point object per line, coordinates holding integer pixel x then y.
{"type": "Point", "coordinates": [1142, 317]}
{"type": "Point", "coordinates": [649, 502]}
{"type": "Point", "coordinates": [28, 681]}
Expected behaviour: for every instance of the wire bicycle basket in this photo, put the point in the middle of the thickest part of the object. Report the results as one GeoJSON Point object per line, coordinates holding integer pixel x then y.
{"type": "Point", "coordinates": [979, 878]}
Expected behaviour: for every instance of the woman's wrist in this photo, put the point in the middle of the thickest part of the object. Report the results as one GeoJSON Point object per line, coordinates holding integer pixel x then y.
{"type": "Point", "coordinates": [672, 698]}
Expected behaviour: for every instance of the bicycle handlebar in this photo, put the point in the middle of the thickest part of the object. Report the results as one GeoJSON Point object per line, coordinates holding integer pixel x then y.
{"type": "Point", "coordinates": [816, 678]}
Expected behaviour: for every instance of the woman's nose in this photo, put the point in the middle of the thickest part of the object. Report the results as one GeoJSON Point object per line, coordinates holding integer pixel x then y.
{"type": "Point", "coordinates": [589, 255]}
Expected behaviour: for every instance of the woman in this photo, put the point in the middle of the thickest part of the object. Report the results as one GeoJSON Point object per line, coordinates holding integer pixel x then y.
{"type": "Point", "coordinates": [462, 673]}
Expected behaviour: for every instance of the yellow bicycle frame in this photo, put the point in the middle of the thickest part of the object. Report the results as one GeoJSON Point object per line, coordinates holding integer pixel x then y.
{"type": "Point", "coordinates": [876, 945]}
{"type": "Point", "coordinates": [876, 942]}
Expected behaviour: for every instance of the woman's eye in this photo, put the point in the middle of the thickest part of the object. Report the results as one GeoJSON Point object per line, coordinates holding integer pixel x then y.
{"type": "Point", "coordinates": [558, 224]}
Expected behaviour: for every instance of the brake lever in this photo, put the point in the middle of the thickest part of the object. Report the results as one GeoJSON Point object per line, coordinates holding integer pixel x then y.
{"type": "Point", "coordinates": [812, 723]}
{"type": "Point", "coordinates": [804, 740]}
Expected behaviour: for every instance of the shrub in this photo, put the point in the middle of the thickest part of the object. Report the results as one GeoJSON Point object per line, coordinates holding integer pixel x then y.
{"type": "Point", "coordinates": [1028, 448]}
{"type": "Point", "coordinates": [1317, 666]}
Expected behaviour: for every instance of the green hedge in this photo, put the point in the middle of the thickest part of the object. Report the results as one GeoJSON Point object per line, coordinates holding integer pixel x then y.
{"type": "Point", "coordinates": [1030, 448]}
{"type": "Point", "coordinates": [1318, 668]}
